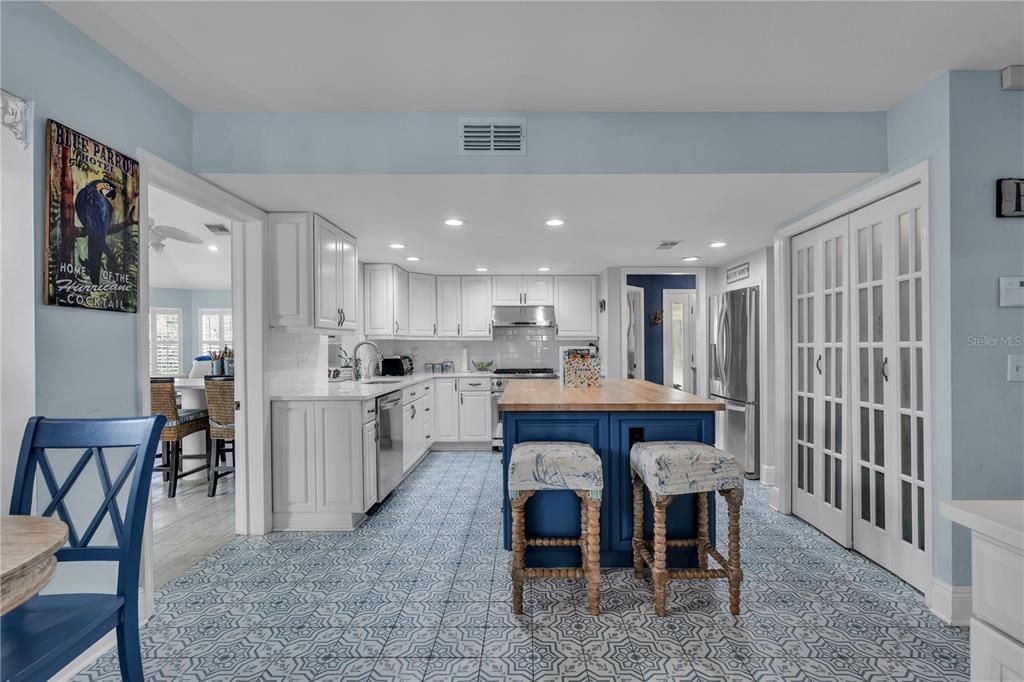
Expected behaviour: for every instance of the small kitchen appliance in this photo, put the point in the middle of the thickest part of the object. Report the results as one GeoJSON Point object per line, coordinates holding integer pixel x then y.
{"type": "Point", "coordinates": [396, 366]}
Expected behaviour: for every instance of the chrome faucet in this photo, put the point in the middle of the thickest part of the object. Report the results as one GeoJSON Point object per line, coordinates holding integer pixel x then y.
{"type": "Point", "coordinates": [358, 372]}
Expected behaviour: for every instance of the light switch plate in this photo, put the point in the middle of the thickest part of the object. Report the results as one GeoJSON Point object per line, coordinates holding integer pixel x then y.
{"type": "Point", "coordinates": [1015, 367]}
{"type": "Point", "coordinates": [1011, 292]}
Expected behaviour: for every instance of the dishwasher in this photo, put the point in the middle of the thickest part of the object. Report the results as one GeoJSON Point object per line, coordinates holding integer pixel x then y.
{"type": "Point", "coordinates": [389, 443]}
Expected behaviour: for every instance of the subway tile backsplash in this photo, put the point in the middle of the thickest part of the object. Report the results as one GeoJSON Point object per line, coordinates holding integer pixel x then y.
{"type": "Point", "coordinates": [527, 347]}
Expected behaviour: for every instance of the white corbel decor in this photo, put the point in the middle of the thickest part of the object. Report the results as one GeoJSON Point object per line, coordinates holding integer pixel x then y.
{"type": "Point", "coordinates": [16, 113]}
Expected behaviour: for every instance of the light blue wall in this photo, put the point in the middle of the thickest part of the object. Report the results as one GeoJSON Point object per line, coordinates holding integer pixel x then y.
{"type": "Point", "coordinates": [972, 133]}
{"type": "Point", "coordinates": [556, 143]}
{"type": "Point", "coordinates": [986, 143]}
{"type": "Point", "coordinates": [86, 359]}
{"type": "Point", "coordinates": [190, 301]}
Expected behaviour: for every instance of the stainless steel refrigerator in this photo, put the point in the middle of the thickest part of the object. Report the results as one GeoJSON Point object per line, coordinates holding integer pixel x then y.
{"type": "Point", "coordinates": [733, 358]}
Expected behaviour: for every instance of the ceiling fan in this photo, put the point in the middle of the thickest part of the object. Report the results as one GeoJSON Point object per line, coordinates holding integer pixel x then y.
{"type": "Point", "coordinates": [158, 234]}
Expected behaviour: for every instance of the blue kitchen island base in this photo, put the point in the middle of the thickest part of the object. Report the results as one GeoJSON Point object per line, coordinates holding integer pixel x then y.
{"type": "Point", "coordinates": [556, 513]}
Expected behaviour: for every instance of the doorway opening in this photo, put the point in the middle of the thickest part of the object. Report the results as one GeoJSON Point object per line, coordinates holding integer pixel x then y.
{"type": "Point", "coordinates": [190, 347]}
{"type": "Point", "coordinates": [650, 339]}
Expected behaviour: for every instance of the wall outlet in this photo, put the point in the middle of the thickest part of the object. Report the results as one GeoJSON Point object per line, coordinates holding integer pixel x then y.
{"type": "Point", "coordinates": [1015, 367]}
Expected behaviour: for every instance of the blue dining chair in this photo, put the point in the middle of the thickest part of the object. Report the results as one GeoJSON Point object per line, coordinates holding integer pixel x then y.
{"type": "Point", "coordinates": [40, 637]}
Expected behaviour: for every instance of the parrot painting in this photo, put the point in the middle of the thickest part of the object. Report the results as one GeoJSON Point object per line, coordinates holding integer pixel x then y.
{"type": "Point", "coordinates": [92, 204]}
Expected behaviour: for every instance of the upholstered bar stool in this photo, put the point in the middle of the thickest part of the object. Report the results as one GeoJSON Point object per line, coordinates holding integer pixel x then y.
{"type": "Point", "coordinates": [542, 465]}
{"type": "Point", "coordinates": [671, 468]}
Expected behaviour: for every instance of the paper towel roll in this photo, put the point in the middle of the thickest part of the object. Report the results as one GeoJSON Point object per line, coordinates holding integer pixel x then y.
{"type": "Point", "coordinates": [464, 364]}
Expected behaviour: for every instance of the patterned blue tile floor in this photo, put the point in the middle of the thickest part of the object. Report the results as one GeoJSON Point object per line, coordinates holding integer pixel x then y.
{"type": "Point", "coordinates": [421, 592]}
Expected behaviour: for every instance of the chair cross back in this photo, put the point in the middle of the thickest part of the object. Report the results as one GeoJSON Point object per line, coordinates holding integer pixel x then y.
{"type": "Point", "coordinates": [42, 436]}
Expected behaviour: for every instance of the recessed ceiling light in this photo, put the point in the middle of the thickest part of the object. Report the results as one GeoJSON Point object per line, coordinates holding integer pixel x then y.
{"type": "Point", "coordinates": [716, 245]}
{"type": "Point", "coordinates": [690, 259]}
{"type": "Point", "coordinates": [397, 245]}
{"type": "Point", "coordinates": [213, 247]}
{"type": "Point", "coordinates": [481, 269]}
{"type": "Point", "coordinates": [543, 268]}
{"type": "Point", "coordinates": [412, 258]}
{"type": "Point", "coordinates": [554, 222]}
{"type": "Point", "coordinates": [453, 222]}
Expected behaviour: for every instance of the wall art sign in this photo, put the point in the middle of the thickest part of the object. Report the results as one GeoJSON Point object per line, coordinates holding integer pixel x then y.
{"type": "Point", "coordinates": [737, 273]}
{"type": "Point", "coordinates": [1010, 198]}
{"type": "Point", "coordinates": [91, 247]}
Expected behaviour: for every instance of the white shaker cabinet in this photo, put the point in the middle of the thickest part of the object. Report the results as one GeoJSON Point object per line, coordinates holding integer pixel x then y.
{"type": "Point", "coordinates": [449, 305]}
{"type": "Point", "coordinates": [317, 464]}
{"type": "Point", "coordinates": [476, 306]}
{"type": "Point", "coordinates": [446, 408]}
{"type": "Point", "coordinates": [339, 456]}
{"type": "Point", "coordinates": [522, 290]}
{"type": "Point", "coordinates": [422, 305]}
{"type": "Point", "coordinates": [386, 306]}
{"type": "Point", "coordinates": [312, 271]}
{"type": "Point", "coordinates": [576, 306]}
{"type": "Point", "coordinates": [417, 430]}
{"type": "Point", "coordinates": [370, 464]}
{"type": "Point", "coordinates": [474, 411]}
{"type": "Point", "coordinates": [507, 290]}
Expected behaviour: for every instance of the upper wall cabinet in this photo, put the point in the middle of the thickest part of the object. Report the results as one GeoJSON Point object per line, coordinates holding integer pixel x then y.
{"type": "Point", "coordinates": [387, 300]}
{"type": "Point", "coordinates": [476, 306]}
{"type": "Point", "coordinates": [313, 274]}
{"type": "Point", "coordinates": [422, 305]}
{"type": "Point", "coordinates": [449, 305]}
{"type": "Point", "coordinates": [522, 290]}
{"type": "Point", "coordinates": [576, 306]}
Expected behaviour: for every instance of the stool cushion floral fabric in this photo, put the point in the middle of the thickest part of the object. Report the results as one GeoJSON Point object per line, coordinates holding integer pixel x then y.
{"type": "Point", "coordinates": [544, 465]}
{"type": "Point", "coordinates": [679, 467]}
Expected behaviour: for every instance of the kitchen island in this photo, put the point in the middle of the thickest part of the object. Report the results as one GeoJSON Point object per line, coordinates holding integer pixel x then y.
{"type": "Point", "coordinates": [610, 418]}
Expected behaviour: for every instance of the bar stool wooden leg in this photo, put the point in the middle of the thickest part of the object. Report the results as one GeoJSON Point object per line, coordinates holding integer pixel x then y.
{"type": "Point", "coordinates": [519, 548]}
{"type": "Point", "coordinates": [593, 555]}
{"type": "Point", "coordinates": [703, 532]}
{"type": "Point", "coordinates": [638, 527]}
{"type": "Point", "coordinates": [733, 499]}
{"type": "Point", "coordinates": [659, 572]}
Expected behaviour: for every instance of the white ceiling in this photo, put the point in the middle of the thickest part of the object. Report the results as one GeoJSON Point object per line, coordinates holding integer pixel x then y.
{"type": "Point", "coordinates": [612, 220]}
{"type": "Point", "coordinates": [550, 56]}
{"type": "Point", "coordinates": [188, 266]}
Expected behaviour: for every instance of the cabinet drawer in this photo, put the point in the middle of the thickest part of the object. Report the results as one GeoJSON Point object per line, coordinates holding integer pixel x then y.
{"type": "Point", "coordinates": [998, 592]}
{"type": "Point", "coordinates": [474, 385]}
{"type": "Point", "coordinates": [414, 393]}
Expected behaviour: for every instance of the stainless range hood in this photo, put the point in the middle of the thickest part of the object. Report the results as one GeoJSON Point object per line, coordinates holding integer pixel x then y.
{"type": "Point", "coordinates": [522, 316]}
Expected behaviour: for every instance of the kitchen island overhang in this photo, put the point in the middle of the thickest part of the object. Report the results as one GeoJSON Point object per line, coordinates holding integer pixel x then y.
{"type": "Point", "coordinates": [610, 418]}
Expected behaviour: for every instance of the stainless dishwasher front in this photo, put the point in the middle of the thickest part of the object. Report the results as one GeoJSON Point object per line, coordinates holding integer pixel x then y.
{"type": "Point", "coordinates": [389, 443]}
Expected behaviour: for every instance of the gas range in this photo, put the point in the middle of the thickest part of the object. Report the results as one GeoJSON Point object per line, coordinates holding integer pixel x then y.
{"type": "Point", "coordinates": [498, 380]}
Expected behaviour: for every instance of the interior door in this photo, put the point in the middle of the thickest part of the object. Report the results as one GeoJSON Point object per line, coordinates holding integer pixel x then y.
{"type": "Point", "coordinates": [821, 479]}
{"type": "Point", "coordinates": [892, 502]}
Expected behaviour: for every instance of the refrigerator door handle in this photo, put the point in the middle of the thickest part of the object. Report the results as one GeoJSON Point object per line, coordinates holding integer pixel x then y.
{"type": "Point", "coordinates": [723, 345]}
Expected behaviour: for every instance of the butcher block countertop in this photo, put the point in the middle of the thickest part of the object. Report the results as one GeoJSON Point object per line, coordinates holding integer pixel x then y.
{"type": "Point", "coordinates": [613, 395]}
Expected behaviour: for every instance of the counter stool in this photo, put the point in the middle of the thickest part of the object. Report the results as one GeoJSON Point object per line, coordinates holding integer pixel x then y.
{"type": "Point", "coordinates": [671, 468]}
{"type": "Point", "coordinates": [180, 423]}
{"type": "Point", "coordinates": [220, 402]}
{"type": "Point", "coordinates": [541, 465]}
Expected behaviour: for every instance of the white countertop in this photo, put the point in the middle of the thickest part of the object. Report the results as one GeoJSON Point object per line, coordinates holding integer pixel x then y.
{"type": "Point", "coordinates": [999, 519]}
{"type": "Point", "coordinates": [321, 389]}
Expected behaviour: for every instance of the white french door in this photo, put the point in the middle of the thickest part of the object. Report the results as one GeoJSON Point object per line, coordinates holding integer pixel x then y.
{"type": "Point", "coordinates": [821, 477]}
{"type": "Point", "coordinates": [861, 444]}
{"type": "Point", "coordinates": [892, 499]}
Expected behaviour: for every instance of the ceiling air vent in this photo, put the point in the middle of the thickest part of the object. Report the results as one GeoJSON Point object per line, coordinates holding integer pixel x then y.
{"type": "Point", "coordinates": [666, 244]}
{"type": "Point", "coordinates": [492, 136]}
{"type": "Point", "coordinates": [217, 228]}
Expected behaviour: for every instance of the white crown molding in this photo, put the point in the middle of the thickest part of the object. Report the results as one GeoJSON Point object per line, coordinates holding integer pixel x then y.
{"type": "Point", "coordinates": [17, 116]}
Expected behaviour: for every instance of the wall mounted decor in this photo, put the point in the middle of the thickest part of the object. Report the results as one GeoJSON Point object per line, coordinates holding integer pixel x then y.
{"type": "Point", "coordinates": [1010, 198]}
{"type": "Point", "coordinates": [91, 245]}
{"type": "Point", "coordinates": [657, 317]}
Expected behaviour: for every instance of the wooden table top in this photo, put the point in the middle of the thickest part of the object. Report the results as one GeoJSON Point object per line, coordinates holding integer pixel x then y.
{"type": "Point", "coordinates": [27, 562]}
{"type": "Point", "coordinates": [612, 395]}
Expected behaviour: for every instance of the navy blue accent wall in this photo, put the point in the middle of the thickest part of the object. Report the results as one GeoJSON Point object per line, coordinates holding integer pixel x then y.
{"type": "Point", "coordinates": [653, 286]}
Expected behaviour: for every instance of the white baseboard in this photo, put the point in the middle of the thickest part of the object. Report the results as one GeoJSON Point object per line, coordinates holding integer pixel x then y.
{"type": "Point", "coordinates": [951, 603]}
{"type": "Point", "coordinates": [768, 475]}
{"type": "Point", "coordinates": [774, 495]}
